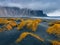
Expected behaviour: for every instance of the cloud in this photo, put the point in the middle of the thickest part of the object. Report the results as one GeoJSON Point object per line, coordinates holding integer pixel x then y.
{"type": "Point", "coordinates": [55, 13]}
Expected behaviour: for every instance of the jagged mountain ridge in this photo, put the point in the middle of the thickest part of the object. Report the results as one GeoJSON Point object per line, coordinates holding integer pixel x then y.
{"type": "Point", "coordinates": [19, 12]}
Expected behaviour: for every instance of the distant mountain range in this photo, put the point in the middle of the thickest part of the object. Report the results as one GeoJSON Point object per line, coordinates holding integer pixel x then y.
{"type": "Point", "coordinates": [19, 12]}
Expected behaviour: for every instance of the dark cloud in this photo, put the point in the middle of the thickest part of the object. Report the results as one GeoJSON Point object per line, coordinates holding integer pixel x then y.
{"type": "Point", "coordinates": [47, 6]}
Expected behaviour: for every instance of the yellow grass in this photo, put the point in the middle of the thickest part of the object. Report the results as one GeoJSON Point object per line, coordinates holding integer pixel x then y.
{"type": "Point", "coordinates": [55, 29]}
{"type": "Point", "coordinates": [8, 27]}
{"type": "Point", "coordinates": [24, 34]}
{"type": "Point", "coordinates": [55, 42]}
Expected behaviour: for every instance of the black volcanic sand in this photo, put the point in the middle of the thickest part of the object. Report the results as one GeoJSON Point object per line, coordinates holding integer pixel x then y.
{"type": "Point", "coordinates": [9, 37]}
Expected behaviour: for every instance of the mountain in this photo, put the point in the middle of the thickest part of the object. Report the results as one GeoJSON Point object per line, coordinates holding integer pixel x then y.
{"type": "Point", "coordinates": [19, 12]}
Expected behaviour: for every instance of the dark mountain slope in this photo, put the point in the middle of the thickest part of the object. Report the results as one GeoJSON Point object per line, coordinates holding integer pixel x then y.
{"type": "Point", "coordinates": [16, 12]}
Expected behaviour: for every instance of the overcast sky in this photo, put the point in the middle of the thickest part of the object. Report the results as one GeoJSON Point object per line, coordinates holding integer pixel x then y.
{"type": "Point", "coordinates": [51, 7]}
